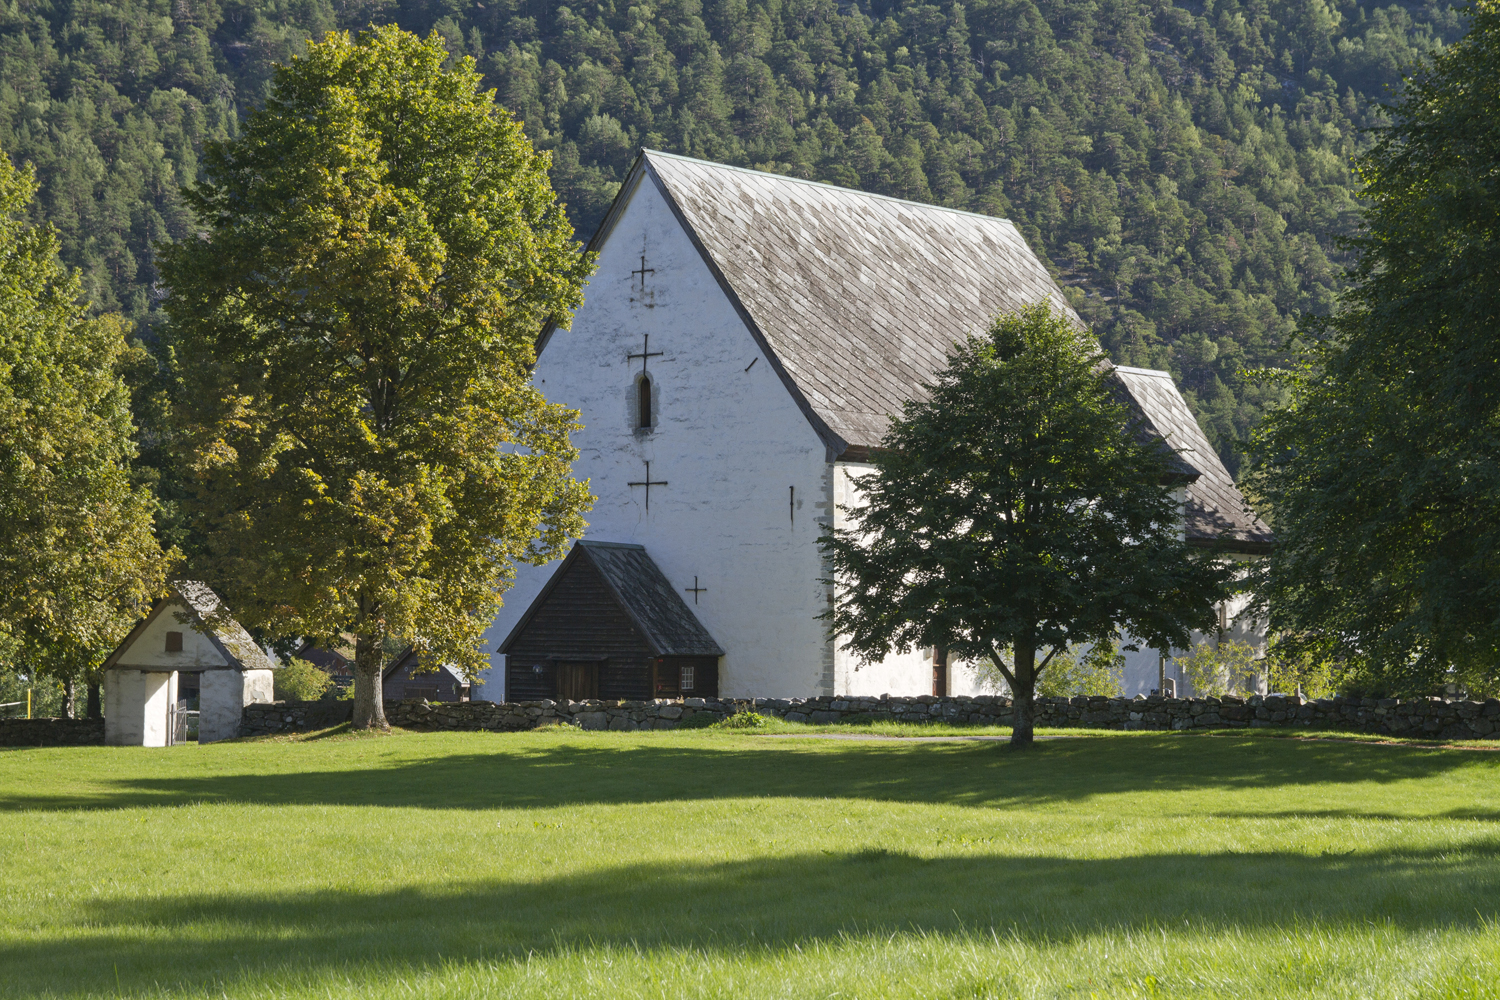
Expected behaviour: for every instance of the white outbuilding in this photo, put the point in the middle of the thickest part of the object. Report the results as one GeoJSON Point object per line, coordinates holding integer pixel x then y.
{"type": "Point", "coordinates": [187, 641]}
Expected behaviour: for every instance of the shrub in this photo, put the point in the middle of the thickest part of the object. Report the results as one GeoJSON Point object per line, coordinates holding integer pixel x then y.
{"type": "Point", "coordinates": [1099, 670]}
{"type": "Point", "coordinates": [1304, 673]}
{"type": "Point", "coordinates": [698, 720]}
{"type": "Point", "coordinates": [1216, 669]}
{"type": "Point", "coordinates": [300, 680]}
{"type": "Point", "coordinates": [745, 720]}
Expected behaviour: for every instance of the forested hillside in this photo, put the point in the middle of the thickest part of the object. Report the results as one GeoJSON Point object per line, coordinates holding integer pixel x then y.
{"type": "Point", "coordinates": [1185, 167]}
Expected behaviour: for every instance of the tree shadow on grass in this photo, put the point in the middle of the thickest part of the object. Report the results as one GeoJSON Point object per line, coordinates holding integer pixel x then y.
{"type": "Point", "coordinates": [212, 941]}
{"type": "Point", "coordinates": [512, 773]}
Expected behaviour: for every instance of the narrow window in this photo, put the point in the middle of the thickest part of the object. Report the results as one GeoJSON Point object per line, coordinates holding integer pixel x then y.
{"type": "Point", "coordinates": [687, 679]}
{"type": "Point", "coordinates": [643, 403]}
{"type": "Point", "coordinates": [174, 642]}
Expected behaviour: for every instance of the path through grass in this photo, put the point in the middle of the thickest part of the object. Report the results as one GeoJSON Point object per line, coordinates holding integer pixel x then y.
{"type": "Point", "coordinates": [710, 864]}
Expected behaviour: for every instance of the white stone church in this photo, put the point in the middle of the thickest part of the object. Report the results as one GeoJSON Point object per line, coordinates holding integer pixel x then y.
{"type": "Point", "coordinates": [737, 356]}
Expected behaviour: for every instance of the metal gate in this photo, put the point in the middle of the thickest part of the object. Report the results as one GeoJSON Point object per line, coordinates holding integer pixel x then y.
{"type": "Point", "coordinates": [178, 717]}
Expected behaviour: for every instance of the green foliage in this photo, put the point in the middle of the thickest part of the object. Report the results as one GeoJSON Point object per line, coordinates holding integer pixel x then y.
{"type": "Point", "coordinates": [1018, 509]}
{"type": "Point", "coordinates": [1290, 673]}
{"type": "Point", "coordinates": [1184, 165]}
{"type": "Point", "coordinates": [698, 720]}
{"type": "Point", "coordinates": [1217, 668]}
{"type": "Point", "coordinates": [78, 558]}
{"type": "Point", "coordinates": [1096, 670]}
{"type": "Point", "coordinates": [1385, 473]}
{"type": "Point", "coordinates": [744, 720]}
{"type": "Point", "coordinates": [354, 337]}
{"type": "Point", "coordinates": [300, 680]}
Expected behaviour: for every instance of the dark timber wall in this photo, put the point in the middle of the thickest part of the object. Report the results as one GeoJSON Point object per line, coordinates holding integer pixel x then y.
{"type": "Point", "coordinates": [579, 620]}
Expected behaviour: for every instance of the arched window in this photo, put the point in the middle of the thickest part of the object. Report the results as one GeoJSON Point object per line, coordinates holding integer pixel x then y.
{"type": "Point", "coordinates": [643, 402]}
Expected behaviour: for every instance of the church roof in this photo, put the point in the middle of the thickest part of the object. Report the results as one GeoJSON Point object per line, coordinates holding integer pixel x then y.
{"type": "Point", "coordinates": [858, 298]}
{"type": "Point", "coordinates": [1216, 510]}
{"type": "Point", "coordinates": [637, 584]}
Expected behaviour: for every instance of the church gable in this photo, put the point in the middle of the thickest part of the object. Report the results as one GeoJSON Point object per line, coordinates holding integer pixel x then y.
{"type": "Point", "coordinates": [858, 297]}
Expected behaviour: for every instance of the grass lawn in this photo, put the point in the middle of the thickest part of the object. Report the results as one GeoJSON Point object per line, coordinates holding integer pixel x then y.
{"type": "Point", "coordinates": [716, 864]}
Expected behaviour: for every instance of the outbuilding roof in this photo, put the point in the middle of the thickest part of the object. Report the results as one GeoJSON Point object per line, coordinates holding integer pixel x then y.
{"type": "Point", "coordinates": [205, 613]}
{"type": "Point", "coordinates": [654, 607]}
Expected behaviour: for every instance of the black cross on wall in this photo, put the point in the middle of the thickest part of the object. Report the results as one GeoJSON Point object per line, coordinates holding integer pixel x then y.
{"type": "Point", "coordinates": [695, 590]}
{"type": "Point", "coordinates": [646, 352]}
{"type": "Point", "coordinates": [648, 482]}
{"type": "Point", "coordinates": [642, 271]}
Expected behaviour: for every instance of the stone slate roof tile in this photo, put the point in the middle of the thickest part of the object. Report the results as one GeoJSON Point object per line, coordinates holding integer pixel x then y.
{"type": "Point", "coordinates": [859, 296]}
{"type": "Point", "coordinates": [1216, 510]}
{"type": "Point", "coordinates": [666, 622]}
{"type": "Point", "coordinates": [859, 299]}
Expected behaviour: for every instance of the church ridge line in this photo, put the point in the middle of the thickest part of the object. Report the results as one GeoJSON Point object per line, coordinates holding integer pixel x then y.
{"type": "Point", "coordinates": [824, 184]}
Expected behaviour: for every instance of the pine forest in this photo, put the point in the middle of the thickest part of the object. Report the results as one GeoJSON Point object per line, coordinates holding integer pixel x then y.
{"type": "Point", "coordinates": [1186, 168]}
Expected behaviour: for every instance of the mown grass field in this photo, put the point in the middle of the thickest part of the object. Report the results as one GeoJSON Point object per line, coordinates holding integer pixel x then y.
{"type": "Point", "coordinates": [716, 864]}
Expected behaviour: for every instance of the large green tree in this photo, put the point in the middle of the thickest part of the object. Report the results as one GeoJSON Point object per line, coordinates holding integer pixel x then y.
{"type": "Point", "coordinates": [1385, 473]}
{"type": "Point", "coordinates": [1016, 512]}
{"type": "Point", "coordinates": [354, 331]}
{"type": "Point", "coordinates": [78, 557]}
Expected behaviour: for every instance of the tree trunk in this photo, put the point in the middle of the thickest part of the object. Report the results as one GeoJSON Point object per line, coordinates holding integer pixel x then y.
{"type": "Point", "coordinates": [369, 693]}
{"type": "Point", "coordinates": [70, 698]}
{"type": "Point", "coordinates": [94, 708]}
{"type": "Point", "coordinates": [1022, 696]}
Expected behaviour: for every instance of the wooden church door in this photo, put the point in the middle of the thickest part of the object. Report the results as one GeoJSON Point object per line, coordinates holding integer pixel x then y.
{"type": "Point", "coordinates": [577, 680]}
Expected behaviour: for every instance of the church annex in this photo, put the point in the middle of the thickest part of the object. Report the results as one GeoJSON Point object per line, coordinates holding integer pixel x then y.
{"type": "Point", "coordinates": [734, 362]}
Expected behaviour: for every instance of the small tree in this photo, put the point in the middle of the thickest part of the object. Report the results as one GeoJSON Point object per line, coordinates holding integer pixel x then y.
{"type": "Point", "coordinates": [354, 333]}
{"type": "Point", "coordinates": [78, 558]}
{"type": "Point", "coordinates": [1016, 512]}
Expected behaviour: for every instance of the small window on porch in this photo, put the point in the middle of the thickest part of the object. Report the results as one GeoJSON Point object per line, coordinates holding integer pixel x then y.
{"type": "Point", "coordinates": [174, 642]}
{"type": "Point", "coordinates": [687, 679]}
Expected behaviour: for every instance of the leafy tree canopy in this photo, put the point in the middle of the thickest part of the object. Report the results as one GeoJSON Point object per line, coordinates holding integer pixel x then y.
{"type": "Point", "coordinates": [1385, 473]}
{"type": "Point", "coordinates": [354, 333]}
{"type": "Point", "coordinates": [78, 557]}
{"type": "Point", "coordinates": [1015, 513]}
{"type": "Point", "coordinates": [1185, 164]}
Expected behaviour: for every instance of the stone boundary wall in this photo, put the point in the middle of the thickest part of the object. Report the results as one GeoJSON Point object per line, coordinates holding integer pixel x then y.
{"type": "Point", "coordinates": [295, 716]}
{"type": "Point", "coordinates": [1427, 717]}
{"type": "Point", "coordinates": [51, 732]}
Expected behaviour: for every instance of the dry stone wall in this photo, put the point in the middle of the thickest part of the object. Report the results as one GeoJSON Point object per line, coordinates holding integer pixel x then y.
{"type": "Point", "coordinates": [1434, 717]}
{"type": "Point", "coordinates": [51, 732]}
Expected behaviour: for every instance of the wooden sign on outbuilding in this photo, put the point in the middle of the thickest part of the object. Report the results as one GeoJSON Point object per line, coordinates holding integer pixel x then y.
{"type": "Point", "coordinates": [186, 637]}
{"type": "Point", "coordinates": [609, 625]}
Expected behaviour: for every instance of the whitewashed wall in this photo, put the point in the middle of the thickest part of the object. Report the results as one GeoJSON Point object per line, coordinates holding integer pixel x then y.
{"type": "Point", "coordinates": [899, 673]}
{"type": "Point", "coordinates": [730, 443]}
{"type": "Point", "coordinates": [1142, 671]}
{"type": "Point", "coordinates": [136, 703]}
{"type": "Point", "coordinates": [222, 697]}
{"type": "Point", "coordinates": [149, 648]}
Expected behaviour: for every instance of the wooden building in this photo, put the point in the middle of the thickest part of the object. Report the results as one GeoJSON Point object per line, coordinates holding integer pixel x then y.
{"type": "Point", "coordinates": [406, 677]}
{"type": "Point", "coordinates": [609, 625]}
